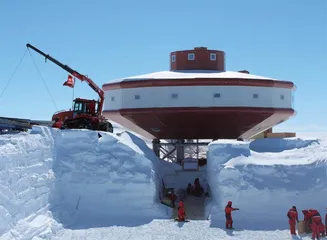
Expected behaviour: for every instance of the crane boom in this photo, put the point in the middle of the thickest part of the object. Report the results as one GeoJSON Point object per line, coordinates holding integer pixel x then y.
{"type": "Point", "coordinates": [76, 74]}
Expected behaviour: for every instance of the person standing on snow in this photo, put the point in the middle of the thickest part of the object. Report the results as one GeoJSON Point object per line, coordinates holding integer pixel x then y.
{"type": "Point", "coordinates": [228, 215]}
{"type": "Point", "coordinates": [316, 224]}
{"type": "Point", "coordinates": [58, 123]}
{"type": "Point", "coordinates": [181, 212]}
{"type": "Point", "coordinates": [292, 219]}
{"type": "Point", "coordinates": [307, 220]}
{"type": "Point", "coordinates": [326, 223]}
{"type": "Point", "coordinates": [198, 190]}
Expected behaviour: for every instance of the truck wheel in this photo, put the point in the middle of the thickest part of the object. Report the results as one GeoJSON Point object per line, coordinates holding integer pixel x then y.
{"type": "Point", "coordinates": [85, 124]}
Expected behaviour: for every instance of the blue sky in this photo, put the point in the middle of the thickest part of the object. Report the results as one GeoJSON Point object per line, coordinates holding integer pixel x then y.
{"type": "Point", "coordinates": [284, 39]}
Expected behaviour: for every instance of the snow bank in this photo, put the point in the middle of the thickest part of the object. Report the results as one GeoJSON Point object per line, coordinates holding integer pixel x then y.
{"type": "Point", "coordinates": [26, 178]}
{"type": "Point", "coordinates": [104, 181]}
{"type": "Point", "coordinates": [279, 145]}
{"type": "Point", "coordinates": [76, 179]}
{"type": "Point", "coordinates": [265, 185]}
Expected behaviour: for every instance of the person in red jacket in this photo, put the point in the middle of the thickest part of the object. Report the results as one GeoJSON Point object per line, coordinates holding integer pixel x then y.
{"type": "Point", "coordinates": [307, 220]}
{"type": "Point", "coordinates": [326, 223]}
{"type": "Point", "coordinates": [316, 224]}
{"type": "Point", "coordinates": [181, 212]}
{"type": "Point", "coordinates": [228, 215]}
{"type": "Point", "coordinates": [292, 219]}
{"type": "Point", "coordinates": [198, 190]}
{"type": "Point", "coordinates": [58, 123]}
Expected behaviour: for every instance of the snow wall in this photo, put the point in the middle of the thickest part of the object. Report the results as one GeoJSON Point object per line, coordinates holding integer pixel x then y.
{"type": "Point", "coordinates": [26, 178]}
{"type": "Point", "coordinates": [78, 178]}
{"type": "Point", "coordinates": [266, 185]}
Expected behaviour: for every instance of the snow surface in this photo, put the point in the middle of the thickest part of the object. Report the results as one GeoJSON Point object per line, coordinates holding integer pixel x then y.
{"type": "Point", "coordinates": [191, 74]}
{"type": "Point", "coordinates": [73, 185]}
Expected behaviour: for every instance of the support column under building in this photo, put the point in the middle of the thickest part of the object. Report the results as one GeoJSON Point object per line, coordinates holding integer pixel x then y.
{"type": "Point", "coordinates": [180, 150]}
{"type": "Point", "coordinates": [156, 147]}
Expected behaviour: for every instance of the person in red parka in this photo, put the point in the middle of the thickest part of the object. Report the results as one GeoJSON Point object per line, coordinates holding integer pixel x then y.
{"type": "Point", "coordinates": [228, 215]}
{"type": "Point", "coordinates": [198, 190]}
{"type": "Point", "coordinates": [307, 220]}
{"type": "Point", "coordinates": [316, 224]}
{"type": "Point", "coordinates": [181, 212]}
{"type": "Point", "coordinates": [58, 123]}
{"type": "Point", "coordinates": [292, 219]}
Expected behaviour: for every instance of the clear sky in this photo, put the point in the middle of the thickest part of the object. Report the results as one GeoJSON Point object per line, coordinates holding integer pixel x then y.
{"type": "Point", "coordinates": [283, 39]}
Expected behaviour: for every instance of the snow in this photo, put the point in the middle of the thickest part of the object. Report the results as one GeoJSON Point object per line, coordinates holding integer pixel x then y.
{"type": "Point", "coordinates": [71, 184]}
{"type": "Point", "coordinates": [105, 174]}
{"type": "Point", "coordinates": [265, 177]}
{"type": "Point", "coordinates": [77, 180]}
{"type": "Point", "coordinates": [26, 177]}
{"type": "Point", "coordinates": [191, 74]}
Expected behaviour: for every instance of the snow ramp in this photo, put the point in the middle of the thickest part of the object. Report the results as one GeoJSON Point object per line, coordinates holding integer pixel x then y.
{"type": "Point", "coordinates": [75, 179]}
{"type": "Point", "coordinates": [266, 183]}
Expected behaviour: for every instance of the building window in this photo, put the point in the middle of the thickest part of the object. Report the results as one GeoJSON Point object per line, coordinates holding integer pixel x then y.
{"type": "Point", "coordinates": [191, 56]}
{"type": "Point", "coordinates": [282, 97]}
{"type": "Point", "coordinates": [255, 95]}
{"type": "Point", "coordinates": [112, 99]}
{"type": "Point", "coordinates": [213, 56]}
{"type": "Point", "coordinates": [137, 97]}
{"type": "Point", "coordinates": [174, 95]}
{"type": "Point", "coordinates": [155, 129]}
{"type": "Point", "coordinates": [173, 58]}
{"type": "Point", "coordinates": [216, 95]}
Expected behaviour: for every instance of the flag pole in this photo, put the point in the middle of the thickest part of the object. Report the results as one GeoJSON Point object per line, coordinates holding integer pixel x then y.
{"type": "Point", "coordinates": [73, 95]}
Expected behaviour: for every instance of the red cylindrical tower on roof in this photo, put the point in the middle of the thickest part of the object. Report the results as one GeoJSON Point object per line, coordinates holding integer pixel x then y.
{"type": "Point", "coordinates": [200, 58]}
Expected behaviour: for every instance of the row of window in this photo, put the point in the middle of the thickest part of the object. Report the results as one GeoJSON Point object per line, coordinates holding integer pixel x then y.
{"type": "Point", "coordinates": [215, 95]}
{"type": "Point", "coordinates": [191, 57]}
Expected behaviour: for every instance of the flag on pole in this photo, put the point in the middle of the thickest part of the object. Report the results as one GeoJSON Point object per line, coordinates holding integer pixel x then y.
{"type": "Point", "coordinates": [70, 82]}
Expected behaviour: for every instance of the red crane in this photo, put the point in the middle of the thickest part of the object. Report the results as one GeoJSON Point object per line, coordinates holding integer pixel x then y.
{"type": "Point", "coordinates": [85, 113]}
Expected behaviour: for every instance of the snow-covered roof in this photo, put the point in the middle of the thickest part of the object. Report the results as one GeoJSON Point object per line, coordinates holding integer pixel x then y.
{"type": "Point", "coordinates": [191, 74]}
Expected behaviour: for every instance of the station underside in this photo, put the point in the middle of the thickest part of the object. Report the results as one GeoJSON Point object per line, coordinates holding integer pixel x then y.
{"type": "Point", "coordinates": [199, 123]}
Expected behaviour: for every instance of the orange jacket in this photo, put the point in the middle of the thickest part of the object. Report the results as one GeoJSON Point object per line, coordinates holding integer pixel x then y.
{"type": "Point", "coordinates": [58, 124]}
{"type": "Point", "coordinates": [229, 209]}
{"type": "Point", "coordinates": [181, 210]}
{"type": "Point", "coordinates": [292, 215]}
{"type": "Point", "coordinates": [316, 218]}
{"type": "Point", "coordinates": [307, 215]}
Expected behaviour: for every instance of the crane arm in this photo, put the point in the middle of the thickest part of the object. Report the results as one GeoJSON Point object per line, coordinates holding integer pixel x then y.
{"type": "Point", "coordinates": [76, 74]}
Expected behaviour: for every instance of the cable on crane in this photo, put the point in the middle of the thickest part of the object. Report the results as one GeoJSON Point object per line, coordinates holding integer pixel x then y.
{"type": "Point", "coordinates": [12, 75]}
{"type": "Point", "coordinates": [54, 103]}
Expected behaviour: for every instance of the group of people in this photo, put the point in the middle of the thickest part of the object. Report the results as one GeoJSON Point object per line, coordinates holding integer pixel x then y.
{"type": "Point", "coordinates": [196, 190]}
{"type": "Point", "coordinates": [312, 220]}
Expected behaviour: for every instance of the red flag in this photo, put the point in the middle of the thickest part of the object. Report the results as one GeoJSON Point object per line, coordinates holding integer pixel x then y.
{"type": "Point", "coordinates": [70, 82]}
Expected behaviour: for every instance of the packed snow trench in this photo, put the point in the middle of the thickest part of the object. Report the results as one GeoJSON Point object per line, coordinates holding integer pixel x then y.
{"type": "Point", "coordinates": [71, 184]}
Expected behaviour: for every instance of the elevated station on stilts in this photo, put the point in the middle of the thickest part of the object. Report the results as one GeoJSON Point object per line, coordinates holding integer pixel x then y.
{"type": "Point", "coordinates": [195, 102]}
